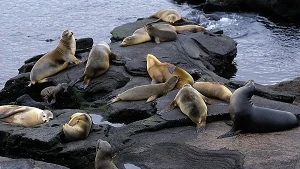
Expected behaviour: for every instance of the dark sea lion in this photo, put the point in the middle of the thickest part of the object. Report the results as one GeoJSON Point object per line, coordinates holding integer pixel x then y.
{"type": "Point", "coordinates": [160, 35]}
{"type": "Point", "coordinates": [51, 92]}
{"type": "Point", "coordinates": [248, 118]}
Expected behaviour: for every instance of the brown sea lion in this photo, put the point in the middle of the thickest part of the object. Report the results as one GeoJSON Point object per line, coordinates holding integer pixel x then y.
{"type": "Point", "coordinates": [78, 127]}
{"type": "Point", "coordinates": [213, 89]}
{"type": "Point", "coordinates": [160, 35]}
{"type": "Point", "coordinates": [161, 72]}
{"type": "Point", "coordinates": [190, 102]}
{"type": "Point", "coordinates": [149, 92]}
{"type": "Point", "coordinates": [56, 60]}
{"type": "Point", "coordinates": [24, 115]}
{"type": "Point", "coordinates": [51, 92]}
{"type": "Point", "coordinates": [97, 63]}
{"type": "Point", "coordinates": [104, 155]}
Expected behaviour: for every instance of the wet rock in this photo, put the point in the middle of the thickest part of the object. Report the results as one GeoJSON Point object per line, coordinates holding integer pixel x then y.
{"type": "Point", "coordinates": [26, 100]}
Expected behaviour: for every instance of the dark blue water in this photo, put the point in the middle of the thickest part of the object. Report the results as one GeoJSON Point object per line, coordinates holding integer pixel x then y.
{"type": "Point", "coordinates": [267, 52]}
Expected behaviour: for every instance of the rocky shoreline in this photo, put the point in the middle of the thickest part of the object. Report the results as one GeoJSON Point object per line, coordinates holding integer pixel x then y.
{"type": "Point", "coordinates": [147, 139]}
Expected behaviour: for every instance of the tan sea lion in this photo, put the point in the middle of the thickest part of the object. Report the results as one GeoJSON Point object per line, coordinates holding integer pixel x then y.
{"type": "Point", "coordinates": [138, 36]}
{"type": "Point", "coordinates": [191, 104]}
{"type": "Point", "coordinates": [149, 92]}
{"type": "Point", "coordinates": [24, 115]}
{"type": "Point", "coordinates": [104, 155]}
{"type": "Point", "coordinates": [167, 15]}
{"type": "Point", "coordinates": [161, 72]}
{"type": "Point", "coordinates": [189, 28]}
{"type": "Point", "coordinates": [160, 35]}
{"type": "Point", "coordinates": [78, 127]}
{"type": "Point", "coordinates": [56, 60]}
{"type": "Point", "coordinates": [213, 89]}
{"type": "Point", "coordinates": [50, 93]}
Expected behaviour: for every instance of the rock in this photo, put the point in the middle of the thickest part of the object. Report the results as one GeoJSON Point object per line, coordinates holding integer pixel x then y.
{"type": "Point", "coordinates": [27, 164]}
{"type": "Point", "coordinates": [26, 100]}
{"type": "Point", "coordinates": [285, 9]}
{"type": "Point", "coordinates": [267, 92]}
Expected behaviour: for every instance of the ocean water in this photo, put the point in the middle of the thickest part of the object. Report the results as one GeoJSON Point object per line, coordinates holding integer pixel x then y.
{"type": "Point", "coordinates": [267, 52]}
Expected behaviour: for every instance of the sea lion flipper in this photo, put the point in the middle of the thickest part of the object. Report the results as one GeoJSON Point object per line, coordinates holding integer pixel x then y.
{"type": "Point", "coordinates": [171, 68]}
{"type": "Point", "coordinates": [151, 98]}
{"type": "Point", "coordinates": [229, 134]}
{"type": "Point", "coordinates": [156, 39]}
{"type": "Point", "coordinates": [10, 112]}
{"type": "Point", "coordinates": [208, 100]}
{"type": "Point", "coordinates": [229, 123]}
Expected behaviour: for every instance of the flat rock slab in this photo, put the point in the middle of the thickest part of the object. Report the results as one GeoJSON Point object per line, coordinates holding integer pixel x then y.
{"type": "Point", "coordinates": [169, 155]}
{"type": "Point", "coordinates": [8, 163]}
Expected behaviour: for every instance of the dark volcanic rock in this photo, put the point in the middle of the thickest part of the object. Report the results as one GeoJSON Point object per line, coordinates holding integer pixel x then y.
{"type": "Point", "coordinates": [27, 164]}
{"type": "Point", "coordinates": [287, 9]}
{"type": "Point", "coordinates": [178, 156]}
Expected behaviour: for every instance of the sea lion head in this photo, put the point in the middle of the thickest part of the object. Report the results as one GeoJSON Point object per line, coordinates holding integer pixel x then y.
{"type": "Point", "coordinates": [127, 41]}
{"type": "Point", "coordinates": [47, 116]}
{"type": "Point", "coordinates": [249, 87]}
{"type": "Point", "coordinates": [173, 80]}
{"type": "Point", "coordinates": [171, 18]}
{"type": "Point", "coordinates": [67, 35]}
{"type": "Point", "coordinates": [103, 148]}
{"type": "Point", "coordinates": [64, 87]}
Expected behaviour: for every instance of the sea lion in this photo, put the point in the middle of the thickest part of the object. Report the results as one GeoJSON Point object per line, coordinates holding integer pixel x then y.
{"type": "Point", "coordinates": [56, 60]}
{"type": "Point", "coordinates": [160, 35]}
{"type": "Point", "coordinates": [248, 118]}
{"type": "Point", "coordinates": [97, 63]}
{"type": "Point", "coordinates": [104, 155]}
{"type": "Point", "coordinates": [189, 28]}
{"type": "Point", "coordinates": [24, 115]}
{"type": "Point", "coordinates": [167, 15]}
{"type": "Point", "coordinates": [213, 89]}
{"type": "Point", "coordinates": [51, 92]}
{"type": "Point", "coordinates": [78, 127]}
{"type": "Point", "coordinates": [141, 36]}
{"type": "Point", "coordinates": [190, 102]}
{"type": "Point", "coordinates": [161, 72]}
{"type": "Point", "coordinates": [149, 92]}
{"type": "Point", "coordinates": [138, 36]}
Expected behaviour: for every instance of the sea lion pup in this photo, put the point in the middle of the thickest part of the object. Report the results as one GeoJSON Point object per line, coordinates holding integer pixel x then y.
{"type": "Point", "coordinates": [97, 63]}
{"type": "Point", "coordinates": [24, 115]}
{"type": "Point", "coordinates": [248, 118]}
{"type": "Point", "coordinates": [161, 72]}
{"type": "Point", "coordinates": [56, 60]}
{"type": "Point", "coordinates": [149, 92]}
{"type": "Point", "coordinates": [51, 92]}
{"type": "Point", "coordinates": [104, 155]}
{"type": "Point", "coordinates": [213, 89]}
{"type": "Point", "coordinates": [78, 127]}
{"type": "Point", "coordinates": [160, 35]}
{"type": "Point", "coordinates": [138, 36]}
{"type": "Point", "coordinates": [191, 104]}
{"type": "Point", "coordinates": [167, 15]}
